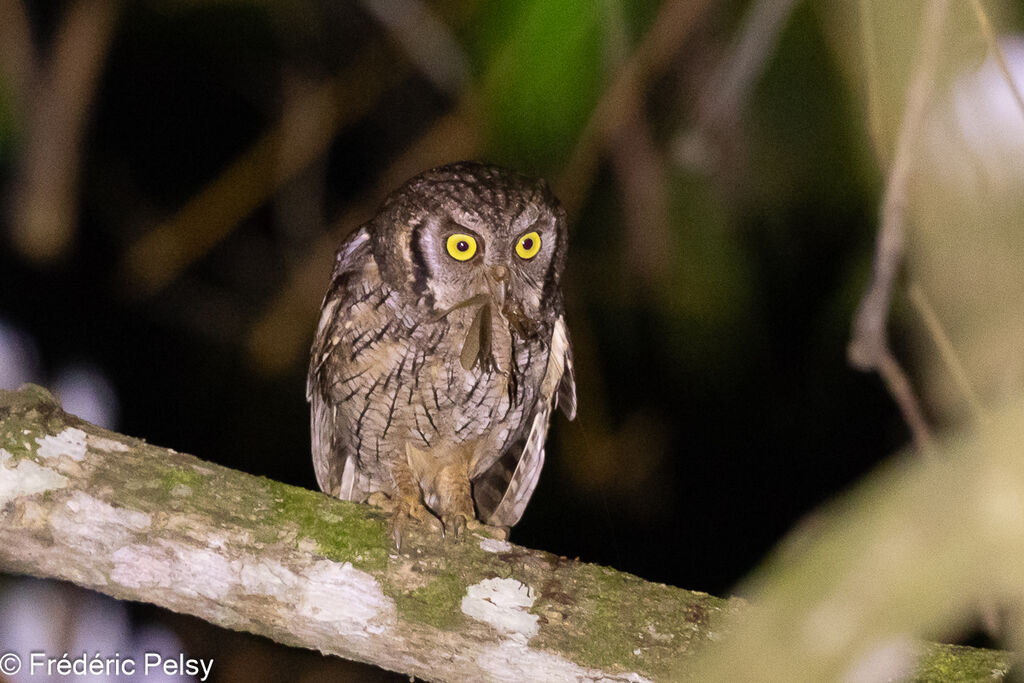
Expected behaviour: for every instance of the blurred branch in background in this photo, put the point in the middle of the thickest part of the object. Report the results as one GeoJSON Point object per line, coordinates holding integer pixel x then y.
{"type": "Point", "coordinates": [17, 59]}
{"type": "Point", "coordinates": [640, 173]}
{"type": "Point", "coordinates": [872, 72]}
{"type": "Point", "coordinates": [307, 127]}
{"type": "Point", "coordinates": [427, 39]}
{"type": "Point", "coordinates": [56, 93]}
{"type": "Point", "coordinates": [869, 346]}
{"type": "Point", "coordinates": [622, 100]}
{"type": "Point", "coordinates": [728, 92]}
{"type": "Point", "coordinates": [946, 351]}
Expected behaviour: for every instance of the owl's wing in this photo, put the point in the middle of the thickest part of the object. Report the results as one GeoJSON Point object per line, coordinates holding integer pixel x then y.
{"type": "Point", "coordinates": [335, 470]}
{"type": "Point", "coordinates": [502, 492]}
{"type": "Point", "coordinates": [566, 398]}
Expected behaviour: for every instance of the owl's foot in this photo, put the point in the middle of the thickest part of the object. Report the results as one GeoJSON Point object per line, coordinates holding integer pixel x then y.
{"type": "Point", "coordinates": [403, 511]}
{"type": "Point", "coordinates": [408, 510]}
{"type": "Point", "coordinates": [456, 525]}
{"type": "Point", "coordinates": [456, 505]}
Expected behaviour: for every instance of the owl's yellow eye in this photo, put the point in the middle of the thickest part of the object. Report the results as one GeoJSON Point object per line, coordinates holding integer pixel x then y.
{"type": "Point", "coordinates": [528, 245]}
{"type": "Point", "coordinates": [461, 247]}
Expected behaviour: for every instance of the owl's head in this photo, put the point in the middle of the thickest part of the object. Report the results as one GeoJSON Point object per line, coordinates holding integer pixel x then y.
{"type": "Point", "coordinates": [471, 229]}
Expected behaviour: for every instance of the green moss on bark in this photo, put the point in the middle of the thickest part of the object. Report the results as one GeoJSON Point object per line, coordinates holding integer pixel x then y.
{"type": "Point", "coordinates": [27, 415]}
{"type": "Point", "coordinates": [341, 531]}
{"type": "Point", "coordinates": [954, 663]}
{"type": "Point", "coordinates": [623, 622]}
{"type": "Point", "coordinates": [437, 604]}
{"type": "Point", "coordinates": [176, 479]}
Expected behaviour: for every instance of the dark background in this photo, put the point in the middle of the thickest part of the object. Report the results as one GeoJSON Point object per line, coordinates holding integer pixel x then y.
{"type": "Point", "coordinates": [717, 251]}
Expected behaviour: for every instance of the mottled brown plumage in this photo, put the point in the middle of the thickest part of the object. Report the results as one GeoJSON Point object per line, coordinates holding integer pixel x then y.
{"type": "Point", "coordinates": [442, 349]}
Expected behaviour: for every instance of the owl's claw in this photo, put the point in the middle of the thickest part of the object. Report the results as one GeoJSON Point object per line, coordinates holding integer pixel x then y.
{"type": "Point", "coordinates": [454, 526]}
{"type": "Point", "coordinates": [403, 511]}
{"type": "Point", "coordinates": [407, 511]}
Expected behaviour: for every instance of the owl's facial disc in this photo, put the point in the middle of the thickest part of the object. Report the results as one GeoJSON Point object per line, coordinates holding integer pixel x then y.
{"type": "Point", "coordinates": [501, 252]}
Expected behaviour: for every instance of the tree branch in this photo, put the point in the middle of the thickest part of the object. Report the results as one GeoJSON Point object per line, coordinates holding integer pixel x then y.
{"type": "Point", "coordinates": [44, 211]}
{"type": "Point", "coordinates": [139, 522]}
{"type": "Point", "coordinates": [869, 343]}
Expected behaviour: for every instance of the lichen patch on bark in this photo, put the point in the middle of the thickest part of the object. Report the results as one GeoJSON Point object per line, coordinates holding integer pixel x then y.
{"type": "Point", "coordinates": [494, 545]}
{"type": "Point", "coordinates": [69, 443]}
{"type": "Point", "coordinates": [504, 604]}
{"type": "Point", "coordinates": [88, 511]}
{"type": "Point", "coordinates": [26, 478]}
{"type": "Point", "coordinates": [102, 443]}
{"type": "Point", "coordinates": [348, 599]}
{"type": "Point", "coordinates": [513, 660]}
{"type": "Point", "coordinates": [343, 595]}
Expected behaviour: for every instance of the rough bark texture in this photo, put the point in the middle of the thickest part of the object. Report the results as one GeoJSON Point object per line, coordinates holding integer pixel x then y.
{"type": "Point", "coordinates": [139, 522]}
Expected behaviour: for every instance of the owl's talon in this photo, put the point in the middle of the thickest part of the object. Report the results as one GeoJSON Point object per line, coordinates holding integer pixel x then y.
{"type": "Point", "coordinates": [454, 526]}
{"type": "Point", "coordinates": [406, 511]}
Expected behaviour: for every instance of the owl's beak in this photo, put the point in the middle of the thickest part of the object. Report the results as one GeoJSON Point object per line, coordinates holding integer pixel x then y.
{"type": "Point", "coordinates": [497, 283]}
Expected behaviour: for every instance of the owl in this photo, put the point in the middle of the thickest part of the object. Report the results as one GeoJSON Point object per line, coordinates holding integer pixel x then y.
{"type": "Point", "coordinates": [442, 350]}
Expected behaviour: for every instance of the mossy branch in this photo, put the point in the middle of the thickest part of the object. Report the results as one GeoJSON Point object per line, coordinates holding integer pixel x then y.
{"type": "Point", "coordinates": [139, 522]}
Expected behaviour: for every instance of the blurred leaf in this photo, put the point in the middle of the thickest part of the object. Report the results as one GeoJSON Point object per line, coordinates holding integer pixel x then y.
{"type": "Point", "coordinates": [541, 79]}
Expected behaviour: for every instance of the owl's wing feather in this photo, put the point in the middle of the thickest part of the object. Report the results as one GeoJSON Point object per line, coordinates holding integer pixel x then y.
{"type": "Point", "coordinates": [335, 470]}
{"type": "Point", "coordinates": [522, 473]}
{"type": "Point", "coordinates": [566, 398]}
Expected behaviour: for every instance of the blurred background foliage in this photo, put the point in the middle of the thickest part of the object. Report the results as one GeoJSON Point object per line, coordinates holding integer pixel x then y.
{"type": "Point", "coordinates": [177, 174]}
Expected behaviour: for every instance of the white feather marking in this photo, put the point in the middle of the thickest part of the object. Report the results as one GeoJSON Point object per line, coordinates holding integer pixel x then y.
{"type": "Point", "coordinates": [326, 315]}
{"type": "Point", "coordinates": [556, 359]}
{"type": "Point", "coordinates": [565, 396]}
{"type": "Point", "coordinates": [358, 240]}
{"type": "Point", "coordinates": [539, 430]}
{"type": "Point", "coordinates": [348, 479]}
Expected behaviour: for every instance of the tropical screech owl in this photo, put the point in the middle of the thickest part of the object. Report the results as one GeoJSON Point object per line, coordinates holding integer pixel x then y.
{"type": "Point", "coordinates": [442, 349]}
